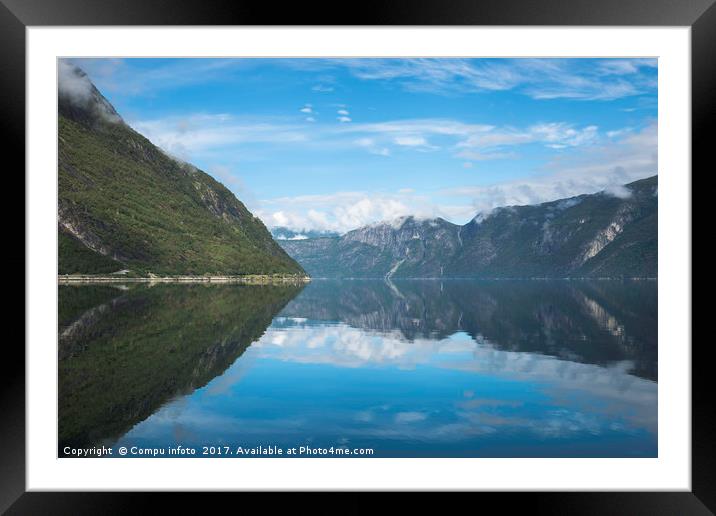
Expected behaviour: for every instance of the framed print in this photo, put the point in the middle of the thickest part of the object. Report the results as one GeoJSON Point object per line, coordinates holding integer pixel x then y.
{"type": "Point", "coordinates": [441, 249]}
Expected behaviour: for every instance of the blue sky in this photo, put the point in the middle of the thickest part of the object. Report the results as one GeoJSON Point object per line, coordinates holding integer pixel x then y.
{"type": "Point", "coordinates": [339, 143]}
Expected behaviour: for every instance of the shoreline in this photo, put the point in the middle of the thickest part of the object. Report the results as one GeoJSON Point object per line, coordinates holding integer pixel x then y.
{"type": "Point", "coordinates": [272, 280]}
{"type": "Point", "coordinates": [248, 280]}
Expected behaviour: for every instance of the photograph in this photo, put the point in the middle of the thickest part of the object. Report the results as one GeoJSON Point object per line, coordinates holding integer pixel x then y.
{"type": "Point", "coordinates": [357, 257]}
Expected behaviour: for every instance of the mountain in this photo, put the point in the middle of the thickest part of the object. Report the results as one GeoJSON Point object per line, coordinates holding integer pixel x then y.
{"type": "Point", "coordinates": [407, 247]}
{"type": "Point", "coordinates": [125, 204]}
{"type": "Point", "coordinates": [596, 235]}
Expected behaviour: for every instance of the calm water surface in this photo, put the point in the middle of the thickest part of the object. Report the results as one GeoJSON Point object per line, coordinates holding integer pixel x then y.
{"type": "Point", "coordinates": [409, 368]}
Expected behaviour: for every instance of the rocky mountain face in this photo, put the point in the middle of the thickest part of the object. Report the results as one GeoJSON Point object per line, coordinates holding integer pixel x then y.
{"type": "Point", "coordinates": [125, 204]}
{"type": "Point", "coordinates": [596, 235]}
{"type": "Point", "coordinates": [405, 247]}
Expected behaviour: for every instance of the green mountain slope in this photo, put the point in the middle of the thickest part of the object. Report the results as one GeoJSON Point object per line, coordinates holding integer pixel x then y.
{"type": "Point", "coordinates": [77, 257]}
{"type": "Point", "coordinates": [126, 201]}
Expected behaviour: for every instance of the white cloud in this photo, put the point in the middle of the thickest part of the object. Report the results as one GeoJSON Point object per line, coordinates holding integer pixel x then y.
{"type": "Point", "coordinates": [344, 211]}
{"type": "Point", "coordinates": [538, 78]}
{"type": "Point", "coordinates": [365, 142]}
{"type": "Point", "coordinates": [476, 142]}
{"type": "Point", "coordinates": [371, 146]}
{"type": "Point", "coordinates": [187, 136]}
{"type": "Point", "coordinates": [624, 66]}
{"type": "Point", "coordinates": [279, 218]}
{"type": "Point", "coordinates": [437, 126]}
{"type": "Point", "coordinates": [601, 167]}
{"type": "Point", "coordinates": [626, 397]}
{"type": "Point", "coordinates": [116, 76]}
{"type": "Point", "coordinates": [343, 112]}
{"type": "Point", "coordinates": [601, 163]}
{"type": "Point", "coordinates": [73, 84]}
{"type": "Point", "coordinates": [620, 191]}
{"type": "Point", "coordinates": [411, 133]}
{"type": "Point", "coordinates": [556, 135]}
{"type": "Point", "coordinates": [410, 141]}
{"type": "Point", "coordinates": [619, 132]}
{"type": "Point", "coordinates": [435, 74]}
{"type": "Point", "coordinates": [307, 109]}
{"type": "Point", "coordinates": [563, 134]}
{"type": "Point", "coordinates": [605, 79]}
{"type": "Point", "coordinates": [193, 134]}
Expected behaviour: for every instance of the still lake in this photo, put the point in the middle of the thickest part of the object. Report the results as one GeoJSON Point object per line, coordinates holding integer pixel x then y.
{"type": "Point", "coordinates": [416, 368]}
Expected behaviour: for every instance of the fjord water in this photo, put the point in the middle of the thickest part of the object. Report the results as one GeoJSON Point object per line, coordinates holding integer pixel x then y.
{"type": "Point", "coordinates": [413, 368]}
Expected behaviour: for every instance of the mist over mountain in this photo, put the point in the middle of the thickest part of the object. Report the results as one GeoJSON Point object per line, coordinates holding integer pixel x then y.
{"type": "Point", "coordinates": [284, 233]}
{"type": "Point", "coordinates": [125, 204]}
{"type": "Point", "coordinates": [607, 234]}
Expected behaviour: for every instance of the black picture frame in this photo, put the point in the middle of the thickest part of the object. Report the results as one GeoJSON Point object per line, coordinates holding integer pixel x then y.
{"type": "Point", "coordinates": [17, 15]}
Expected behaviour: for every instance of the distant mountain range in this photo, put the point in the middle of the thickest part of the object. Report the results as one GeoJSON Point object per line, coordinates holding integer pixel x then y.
{"type": "Point", "coordinates": [125, 204]}
{"type": "Point", "coordinates": [595, 235]}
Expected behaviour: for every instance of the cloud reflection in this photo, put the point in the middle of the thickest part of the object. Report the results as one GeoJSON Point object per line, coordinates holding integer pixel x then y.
{"type": "Point", "coordinates": [566, 383]}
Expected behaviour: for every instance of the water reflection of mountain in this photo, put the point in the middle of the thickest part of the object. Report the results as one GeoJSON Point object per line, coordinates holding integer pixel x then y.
{"type": "Point", "coordinates": [123, 353]}
{"type": "Point", "coordinates": [590, 322]}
